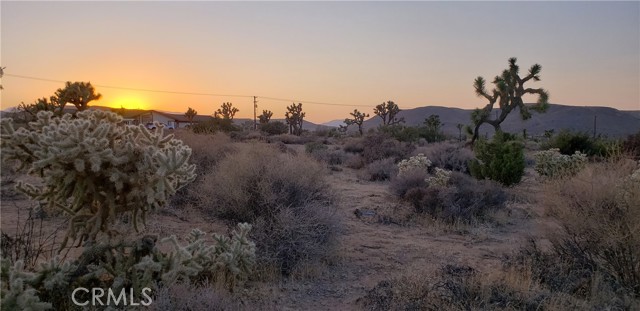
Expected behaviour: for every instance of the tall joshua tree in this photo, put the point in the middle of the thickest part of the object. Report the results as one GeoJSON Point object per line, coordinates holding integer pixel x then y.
{"type": "Point", "coordinates": [508, 91]}
{"type": "Point", "coordinates": [190, 114]}
{"type": "Point", "coordinates": [77, 93]}
{"type": "Point", "coordinates": [357, 118]}
{"type": "Point", "coordinates": [226, 111]}
{"type": "Point", "coordinates": [265, 116]}
{"type": "Point", "coordinates": [294, 117]}
{"type": "Point", "coordinates": [387, 112]}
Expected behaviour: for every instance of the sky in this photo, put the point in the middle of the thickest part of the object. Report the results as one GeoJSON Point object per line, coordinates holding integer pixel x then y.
{"type": "Point", "coordinates": [352, 55]}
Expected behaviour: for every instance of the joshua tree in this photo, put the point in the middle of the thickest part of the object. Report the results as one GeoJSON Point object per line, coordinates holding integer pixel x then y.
{"type": "Point", "coordinates": [460, 126]}
{"type": "Point", "coordinates": [190, 114]}
{"type": "Point", "coordinates": [53, 104]}
{"type": "Point", "coordinates": [508, 92]}
{"type": "Point", "coordinates": [77, 93]}
{"type": "Point", "coordinates": [265, 116]}
{"type": "Point", "coordinates": [357, 118]}
{"type": "Point", "coordinates": [294, 117]}
{"type": "Point", "coordinates": [388, 111]}
{"type": "Point", "coordinates": [226, 111]}
{"type": "Point", "coordinates": [433, 126]}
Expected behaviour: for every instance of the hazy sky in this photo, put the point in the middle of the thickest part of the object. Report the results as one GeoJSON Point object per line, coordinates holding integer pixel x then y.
{"type": "Point", "coordinates": [346, 53]}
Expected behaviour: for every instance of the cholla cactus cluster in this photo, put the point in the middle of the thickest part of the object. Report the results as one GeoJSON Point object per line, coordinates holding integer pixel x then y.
{"type": "Point", "coordinates": [440, 178]}
{"type": "Point", "coordinates": [419, 162]}
{"type": "Point", "coordinates": [94, 168]}
{"type": "Point", "coordinates": [121, 266]}
{"type": "Point", "coordinates": [551, 163]}
{"type": "Point", "coordinates": [229, 260]}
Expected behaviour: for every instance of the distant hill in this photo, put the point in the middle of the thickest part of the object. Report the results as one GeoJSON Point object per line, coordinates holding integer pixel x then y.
{"type": "Point", "coordinates": [609, 121]}
{"type": "Point", "coordinates": [334, 123]}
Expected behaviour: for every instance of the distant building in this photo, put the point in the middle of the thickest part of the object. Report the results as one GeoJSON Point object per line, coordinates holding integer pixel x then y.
{"type": "Point", "coordinates": [139, 116]}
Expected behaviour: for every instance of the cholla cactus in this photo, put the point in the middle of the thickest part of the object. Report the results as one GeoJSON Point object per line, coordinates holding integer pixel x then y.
{"type": "Point", "coordinates": [419, 162]}
{"type": "Point", "coordinates": [94, 168]}
{"type": "Point", "coordinates": [551, 163]}
{"type": "Point", "coordinates": [229, 260]}
{"type": "Point", "coordinates": [15, 291]}
{"type": "Point", "coordinates": [441, 178]}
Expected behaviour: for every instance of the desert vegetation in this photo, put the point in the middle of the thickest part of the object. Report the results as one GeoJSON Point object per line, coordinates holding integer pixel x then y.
{"type": "Point", "coordinates": [219, 216]}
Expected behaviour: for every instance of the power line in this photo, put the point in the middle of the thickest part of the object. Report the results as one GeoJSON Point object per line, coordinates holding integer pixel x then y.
{"type": "Point", "coordinates": [128, 88]}
{"type": "Point", "coordinates": [192, 93]}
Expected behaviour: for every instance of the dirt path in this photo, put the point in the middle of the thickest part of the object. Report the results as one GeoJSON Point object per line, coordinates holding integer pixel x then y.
{"type": "Point", "coordinates": [371, 251]}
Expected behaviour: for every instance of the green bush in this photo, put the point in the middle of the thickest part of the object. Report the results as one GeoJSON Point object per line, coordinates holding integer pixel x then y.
{"type": "Point", "coordinates": [500, 160]}
{"type": "Point", "coordinates": [568, 143]}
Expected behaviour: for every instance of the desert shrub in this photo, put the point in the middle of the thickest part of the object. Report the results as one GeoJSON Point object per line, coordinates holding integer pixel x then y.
{"type": "Point", "coordinates": [380, 170]}
{"type": "Point", "coordinates": [569, 142]}
{"type": "Point", "coordinates": [551, 163]}
{"type": "Point", "coordinates": [315, 147]}
{"type": "Point", "coordinates": [336, 157]}
{"type": "Point", "coordinates": [287, 139]}
{"type": "Point", "coordinates": [631, 145]}
{"type": "Point", "coordinates": [354, 145]}
{"type": "Point", "coordinates": [599, 213]}
{"type": "Point", "coordinates": [402, 133]}
{"type": "Point", "coordinates": [280, 194]}
{"type": "Point", "coordinates": [500, 160]}
{"type": "Point", "coordinates": [322, 153]}
{"type": "Point", "coordinates": [452, 157]}
{"type": "Point", "coordinates": [215, 125]}
{"type": "Point", "coordinates": [206, 150]}
{"type": "Point", "coordinates": [404, 182]}
{"type": "Point", "coordinates": [462, 200]}
{"type": "Point", "coordinates": [378, 146]}
{"type": "Point", "coordinates": [453, 287]}
{"type": "Point", "coordinates": [355, 162]}
{"type": "Point", "coordinates": [274, 128]}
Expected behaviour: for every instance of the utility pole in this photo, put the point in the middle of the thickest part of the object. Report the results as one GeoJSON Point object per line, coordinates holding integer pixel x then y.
{"type": "Point", "coordinates": [255, 107]}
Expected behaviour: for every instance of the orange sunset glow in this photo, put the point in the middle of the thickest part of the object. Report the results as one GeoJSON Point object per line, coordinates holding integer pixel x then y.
{"type": "Point", "coordinates": [347, 55]}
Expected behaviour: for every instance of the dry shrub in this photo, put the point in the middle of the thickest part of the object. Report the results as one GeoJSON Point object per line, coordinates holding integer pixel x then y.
{"type": "Point", "coordinates": [599, 212]}
{"type": "Point", "coordinates": [354, 161]}
{"type": "Point", "coordinates": [378, 146]}
{"type": "Point", "coordinates": [446, 155]}
{"type": "Point", "coordinates": [353, 145]}
{"type": "Point", "coordinates": [453, 287]}
{"type": "Point", "coordinates": [285, 196]}
{"type": "Point", "coordinates": [409, 180]}
{"type": "Point", "coordinates": [464, 200]}
{"type": "Point", "coordinates": [380, 170]}
{"type": "Point", "coordinates": [207, 151]}
{"type": "Point", "coordinates": [189, 297]}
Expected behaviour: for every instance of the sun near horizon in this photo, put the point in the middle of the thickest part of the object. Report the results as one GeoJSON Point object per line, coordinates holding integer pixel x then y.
{"type": "Point", "coordinates": [129, 101]}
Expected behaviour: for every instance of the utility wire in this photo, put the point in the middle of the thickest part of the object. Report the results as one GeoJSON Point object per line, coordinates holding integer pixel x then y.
{"type": "Point", "coordinates": [191, 93]}
{"type": "Point", "coordinates": [128, 88]}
